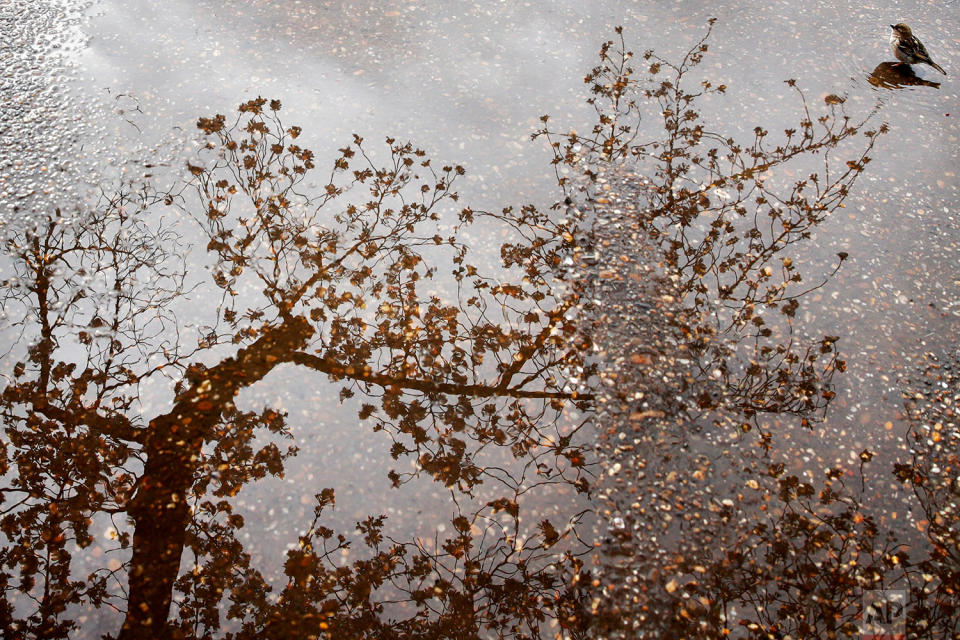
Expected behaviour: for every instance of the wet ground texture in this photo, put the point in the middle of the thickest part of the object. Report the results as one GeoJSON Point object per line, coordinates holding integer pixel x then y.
{"type": "Point", "coordinates": [702, 537]}
{"type": "Point", "coordinates": [264, 378]}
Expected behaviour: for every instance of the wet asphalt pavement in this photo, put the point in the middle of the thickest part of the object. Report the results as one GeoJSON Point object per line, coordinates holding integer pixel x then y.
{"type": "Point", "coordinates": [91, 96]}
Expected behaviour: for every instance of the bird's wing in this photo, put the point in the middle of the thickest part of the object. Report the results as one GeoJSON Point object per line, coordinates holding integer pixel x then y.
{"type": "Point", "coordinates": [921, 51]}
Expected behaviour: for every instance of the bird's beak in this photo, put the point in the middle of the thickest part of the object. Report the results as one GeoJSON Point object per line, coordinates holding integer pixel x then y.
{"type": "Point", "coordinates": [892, 27]}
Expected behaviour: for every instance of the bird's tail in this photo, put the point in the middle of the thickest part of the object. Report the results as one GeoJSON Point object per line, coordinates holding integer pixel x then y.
{"type": "Point", "coordinates": [938, 68]}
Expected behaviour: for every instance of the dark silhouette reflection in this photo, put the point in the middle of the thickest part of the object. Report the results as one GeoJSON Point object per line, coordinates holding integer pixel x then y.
{"type": "Point", "coordinates": [331, 283]}
{"type": "Point", "coordinates": [895, 75]}
{"type": "Point", "coordinates": [793, 555]}
{"type": "Point", "coordinates": [932, 578]}
{"type": "Point", "coordinates": [726, 223]}
{"type": "Point", "coordinates": [720, 540]}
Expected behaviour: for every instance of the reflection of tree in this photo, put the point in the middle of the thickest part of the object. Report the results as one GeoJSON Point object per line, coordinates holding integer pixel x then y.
{"type": "Point", "coordinates": [334, 284]}
{"type": "Point", "coordinates": [464, 588]}
{"type": "Point", "coordinates": [330, 283]}
{"type": "Point", "coordinates": [931, 398]}
{"type": "Point", "coordinates": [723, 217]}
{"type": "Point", "coordinates": [800, 565]}
{"type": "Point", "coordinates": [69, 441]}
{"type": "Point", "coordinates": [709, 540]}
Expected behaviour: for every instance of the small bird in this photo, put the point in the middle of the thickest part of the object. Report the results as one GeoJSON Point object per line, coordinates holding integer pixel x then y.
{"type": "Point", "coordinates": [907, 48]}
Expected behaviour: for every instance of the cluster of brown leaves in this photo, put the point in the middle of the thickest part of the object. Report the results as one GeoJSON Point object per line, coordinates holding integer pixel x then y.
{"type": "Point", "coordinates": [330, 280]}
{"type": "Point", "coordinates": [783, 555]}
{"type": "Point", "coordinates": [723, 218]}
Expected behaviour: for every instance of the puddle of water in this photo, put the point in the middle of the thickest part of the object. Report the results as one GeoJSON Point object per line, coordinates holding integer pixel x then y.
{"type": "Point", "coordinates": [470, 86]}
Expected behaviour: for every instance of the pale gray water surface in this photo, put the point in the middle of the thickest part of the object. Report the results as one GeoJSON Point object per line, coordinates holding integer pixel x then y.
{"type": "Point", "coordinates": [468, 82]}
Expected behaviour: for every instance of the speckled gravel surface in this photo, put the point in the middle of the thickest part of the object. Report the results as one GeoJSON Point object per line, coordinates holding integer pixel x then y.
{"type": "Point", "coordinates": [53, 152]}
{"type": "Point", "coordinates": [671, 471]}
{"type": "Point", "coordinates": [38, 119]}
{"type": "Point", "coordinates": [655, 445]}
{"type": "Point", "coordinates": [679, 483]}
